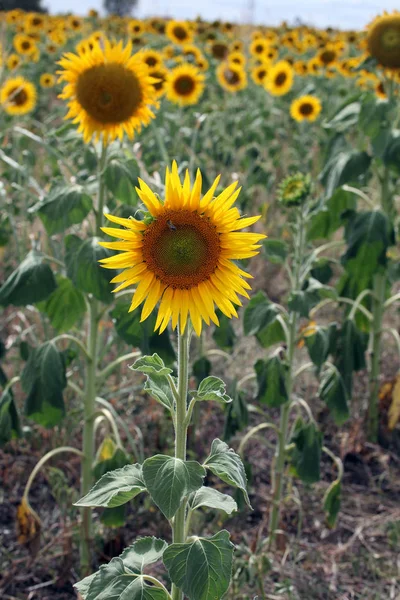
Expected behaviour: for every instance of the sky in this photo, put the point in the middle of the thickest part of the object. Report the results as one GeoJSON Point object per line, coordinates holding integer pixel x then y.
{"type": "Point", "coordinates": [345, 14]}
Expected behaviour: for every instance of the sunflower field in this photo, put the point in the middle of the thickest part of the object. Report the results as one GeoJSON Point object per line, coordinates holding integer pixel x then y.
{"type": "Point", "coordinates": [199, 310]}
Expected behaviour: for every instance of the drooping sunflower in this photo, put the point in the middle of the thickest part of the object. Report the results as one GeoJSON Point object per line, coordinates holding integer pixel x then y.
{"type": "Point", "coordinates": [231, 77]}
{"type": "Point", "coordinates": [152, 58]}
{"type": "Point", "coordinates": [305, 108]}
{"type": "Point", "coordinates": [383, 39]}
{"type": "Point", "coordinates": [109, 91]}
{"type": "Point", "coordinates": [184, 84]}
{"type": "Point", "coordinates": [47, 80]}
{"type": "Point", "coordinates": [179, 32]}
{"type": "Point", "coordinates": [182, 255]}
{"type": "Point", "coordinates": [279, 80]}
{"type": "Point", "coordinates": [18, 96]}
{"type": "Point", "coordinates": [24, 44]}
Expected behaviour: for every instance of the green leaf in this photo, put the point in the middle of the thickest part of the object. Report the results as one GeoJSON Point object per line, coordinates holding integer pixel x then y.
{"type": "Point", "coordinates": [368, 235]}
{"type": "Point", "coordinates": [144, 551]}
{"type": "Point", "coordinates": [344, 167]}
{"type": "Point", "coordinates": [114, 517]}
{"type": "Point", "coordinates": [305, 457]}
{"type": "Point", "coordinates": [157, 383]}
{"type": "Point", "coordinates": [84, 270]}
{"type": "Point", "coordinates": [211, 498]}
{"type": "Point", "coordinates": [169, 480]}
{"type": "Point", "coordinates": [237, 413]}
{"type": "Point", "coordinates": [303, 301]}
{"type": "Point", "coordinates": [114, 582]}
{"type": "Point", "coordinates": [115, 488]}
{"type": "Point", "coordinates": [32, 281]}
{"type": "Point", "coordinates": [276, 251]}
{"type": "Point", "coordinates": [201, 369]}
{"type": "Point", "coordinates": [212, 388]}
{"type": "Point", "coordinates": [322, 270]}
{"type": "Point", "coordinates": [142, 335]}
{"type": "Point", "coordinates": [331, 502]}
{"type": "Point", "coordinates": [330, 215]}
{"type": "Point", "coordinates": [224, 335]}
{"type": "Point", "coordinates": [65, 306]}
{"type": "Point", "coordinates": [120, 178]}
{"type": "Point", "coordinates": [63, 207]}
{"type": "Point", "coordinates": [391, 155]}
{"type": "Point", "coordinates": [260, 319]}
{"type": "Point", "coordinates": [321, 343]}
{"type": "Point", "coordinates": [345, 117]}
{"type": "Point", "coordinates": [10, 427]}
{"type": "Point", "coordinates": [118, 460]}
{"type": "Point", "coordinates": [271, 379]}
{"type": "Point", "coordinates": [201, 568]}
{"type": "Point", "coordinates": [374, 113]}
{"type": "Point", "coordinates": [333, 391]}
{"type": "Point", "coordinates": [228, 466]}
{"type": "Point", "coordinates": [350, 353]}
{"type": "Point", "coordinates": [43, 379]}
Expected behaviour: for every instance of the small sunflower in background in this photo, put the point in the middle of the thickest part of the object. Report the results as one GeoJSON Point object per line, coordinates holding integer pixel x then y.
{"type": "Point", "coordinates": [383, 40]}
{"type": "Point", "coordinates": [34, 22]}
{"type": "Point", "coordinates": [192, 52]}
{"type": "Point", "coordinates": [18, 96]}
{"type": "Point", "coordinates": [152, 58]}
{"type": "Point", "coordinates": [109, 91]}
{"type": "Point", "coordinates": [47, 80]}
{"type": "Point", "coordinates": [305, 108]}
{"type": "Point", "coordinates": [135, 27]}
{"type": "Point", "coordinates": [202, 64]}
{"type": "Point", "coordinates": [294, 190]}
{"type": "Point", "coordinates": [259, 73]}
{"type": "Point", "coordinates": [182, 255]}
{"type": "Point", "coordinates": [279, 80]}
{"type": "Point", "coordinates": [159, 75]}
{"type": "Point", "coordinates": [380, 90]}
{"type": "Point", "coordinates": [231, 77]}
{"type": "Point", "coordinates": [259, 47]}
{"type": "Point", "coordinates": [219, 50]}
{"type": "Point", "coordinates": [13, 61]}
{"type": "Point", "coordinates": [237, 58]}
{"type": "Point", "coordinates": [24, 44]}
{"type": "Point", "coordinates": [184, 84]}
{"type": "Point", "coordinates": [237, 46]}
{"type": "Point", "coordinates": [179, 32]}
{"type": "Point", "coordinates": [328, 56]}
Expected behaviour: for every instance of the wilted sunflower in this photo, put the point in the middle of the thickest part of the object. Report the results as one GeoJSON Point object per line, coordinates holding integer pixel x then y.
{"type": "Point", "coordinates": [47, 80]}
{"type": "Point", "coordinates": [383, 40]}
{"type": "Point", "coordinates": [181, 256]}
{"type": "Point", "coordinates": [305, 108]}
{"type": "Point", "coordinates": [18, 96]}
{"type": "Point", "coordinates": [24, 44]}
{"type": "Point", "coordinates": [179, 32]}
{"type": "Point", "coordinates": [231, 77]}
{"type": "Point", "coordinates": [259, 73]}
{"type": "Point", "coordinates": [109, 92]}
{"type": "Point", "coordinates": [279, 80]}
{"type": "Point", "coordinates": [184, 84]}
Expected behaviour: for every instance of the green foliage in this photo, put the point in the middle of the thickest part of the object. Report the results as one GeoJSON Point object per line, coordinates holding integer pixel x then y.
{"type": "Point", "coordinates": [63, 207]}
{"type": "Point", "coordinates": [345, 117]}
{"type": "Point", "coordinates": [157, 381]}
{"type": "Point", "coordinates": [228, 466]}
{"type": "Point", "coordinates": [350, 353]}
{"type": "Point", "coordinates": [212, 388]}
{"type": "Point", "coordinates": [224, 335]}
{"type": "Point", "coordinates": [66, 306]}
{"type": "Point", "coordinates": [314, 291]}
{"type": "Point", "coordinates": [211, 498]}
{"type": "Point", "coordinates": [143, 552]}
{"type": "Point", "coordinates": [331, 502]}
{"type": "Point", "coordinates": [391, 155]}
{"type": "Point", "coordinates": [271, 379]}
{"type": "Point", "coordinates": [201, 568]}
{"type": "Point", "coordinates": [201, 369]}
{"type": "Point", "coordinates": [121, 177]}
{"type": "Point", "coordinates": [260, 319]}
{"type": "Point", "coordinates": [237, 413]}
{"type": "Point", "coordinates": [276, 251]}
{"type": "Point", "coordinates": [169, 480]}
{"type": "Point", "coordinates": [32, 281]}
{"type": "Point", "coordinates": [305, 457]}
{"type": "Point", "coordinates": [330, 214]}
{"type": "Point", "coordinates": [333, 391]}
{"type": "Point", "coordinates": [84, 270]}
{"type": "Point", "coordinates": [115, 488]}
{"type": "Point", "coordinates": [9, 419]}
{"type": "Point", "coordinates": [344, 167]}
{"type": "Point", "coordinates": [43, 379]}
{"type": "Point", "coordinates": [321, 343]}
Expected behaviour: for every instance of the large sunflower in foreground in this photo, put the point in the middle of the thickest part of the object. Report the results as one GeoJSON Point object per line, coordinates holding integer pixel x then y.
{"type": "Point", "coordinates": [109, 91]}
{"type": "Point", "coordinates": [305, 108]}
{"type": "Point", "coordinates": [279, 80]}
{"type": "Point", "coordinates": [184, 84]}
{"type": "Point", "coordinates": [181, 256]}
{"type": "Point", "coordinates": [18, 96]}
{"type": "Point", "coordinates": [383, 40]}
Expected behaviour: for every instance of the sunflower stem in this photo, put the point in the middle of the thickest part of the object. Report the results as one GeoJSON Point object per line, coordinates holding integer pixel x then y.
{"type": "Point", "coordinates": [181, 425]}
{"type": "Point", "coordinates": [90, 392]}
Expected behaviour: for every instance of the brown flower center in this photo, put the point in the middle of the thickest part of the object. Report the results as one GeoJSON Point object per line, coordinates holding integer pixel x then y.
{"type": "Point", "coordinates": [280, 78]}
{"type": "Point", "coordinates": [306, 109]}
{"type": "Point", "coordinates": [18, 97]}
{"type": "Point", "coordinates": [184, 85]}
{"type": "Point", "coordinates": [232, 77]}
{"type": "Point", "coordinates": [180, 33]}
{"type": "Point", "coordinates": [219, 51]}
{"type": "Point", "coordinates": [181, 248]}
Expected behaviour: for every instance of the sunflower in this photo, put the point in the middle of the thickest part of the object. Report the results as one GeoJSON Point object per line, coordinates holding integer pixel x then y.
{"type": "Point", "coordinates": [190, 51]}
{"type": "Point", "coordinates": [327, 56]}
{"type": "Point", "coordinates": [179, 32]}
{"type": "Point", "coordinates": [13, 60]}
{"type": "Point", "coordinates": [383, 40]}
{"type": "Point", "coordinates": [237, 46]}
{"type": "Point", "coordinates": [13, 16]}
{"type": "Point", "coordinates": [47, 80]}
{"type": "Point", "coordinates": [24, 44]}
{"type": "Point", "coordinates": [75, 23]}
{"type": "Point", "coordinates": [34, 22]}
{"type": "Point", "coordinates": [202, 64]}
{"type": "Point", "coordinates": [136, 27]}
{"type": "Point", "coordinates": [184, 84]}
{"type": "Point", "coordinates": [380, 90]}
{"type": "Point", "coordinates": [305, 108]}
{"type": "Point", "coordinates": [237, 58]}
{"type": "Point", "coordinates": [293, 190]}
{"type": "Point", "coordinates": [279, 80]}
{"type": "Point", "coordinates": [231, 77]}
{"type": "Point", "coordinates": [18, 96]}
{"type": "Point", "coordinates": [182, 255]}
{"type": "Point", "coordinates": [109, 92]}
{"type": "Point", "coordinates": [300, 67]}
{"type": "Point", "coordinates": [159, 75]}
{"type": "Point", "coordinates": [259, 73]}
{"type": "Point", "coordinates": [152, 58]}
{"type": "Point", "coordinates": [259, 47]}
